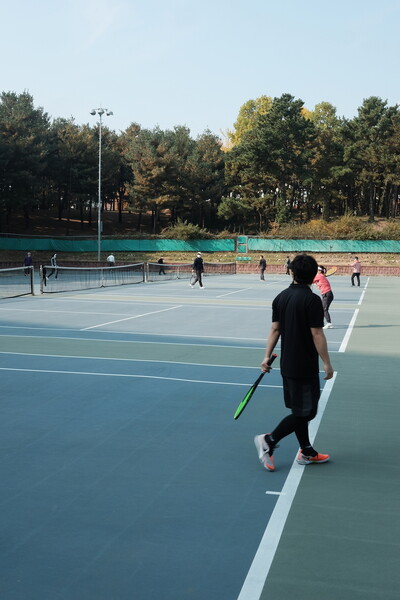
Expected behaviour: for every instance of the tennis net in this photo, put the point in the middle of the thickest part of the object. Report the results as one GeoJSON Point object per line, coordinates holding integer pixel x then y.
{"type": "Point", "coordinates": [17, 281]}
{"type": "Point", "coordinates": [219, 268]}
{"type": "Point", "coordinates": [69, 279]}
{"type": "Point", "coordinates": [166, 272]}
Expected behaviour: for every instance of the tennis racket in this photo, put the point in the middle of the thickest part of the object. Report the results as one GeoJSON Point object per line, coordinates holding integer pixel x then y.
{"type": "Point", "coordinates": [192, 278]}
{"type": "Point", "coordinates": [251, 391]}
{"type": "Point", "coordinates": [331, 271]}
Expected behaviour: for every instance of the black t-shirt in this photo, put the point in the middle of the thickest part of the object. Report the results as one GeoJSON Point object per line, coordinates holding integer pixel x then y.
{"type": "Point", "coordinates": [297, 309]}
{"type": "Point", "coordinates": [198, 264]}
{"type": "Point", "coordinates": [263, 263]}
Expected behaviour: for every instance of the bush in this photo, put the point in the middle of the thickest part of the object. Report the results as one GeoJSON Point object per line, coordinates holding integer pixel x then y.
{"type": "Point", "coordinates": [183, 230]}
{"type": "Point", "coordinates": [391, 231]}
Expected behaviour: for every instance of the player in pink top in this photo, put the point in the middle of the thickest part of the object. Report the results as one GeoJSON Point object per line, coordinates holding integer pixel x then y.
{"type": "Point", "coordinates": [326, 294]}
{"type": "Point", "coordinates": [356, 271]}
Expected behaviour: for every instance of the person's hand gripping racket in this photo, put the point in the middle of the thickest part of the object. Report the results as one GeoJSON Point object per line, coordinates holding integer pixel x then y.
{"type": "Point", "coordinates": [266, 367]}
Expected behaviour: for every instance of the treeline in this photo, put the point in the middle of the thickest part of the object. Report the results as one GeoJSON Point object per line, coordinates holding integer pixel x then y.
{"type": "Point", "coordinates": [280, 164]}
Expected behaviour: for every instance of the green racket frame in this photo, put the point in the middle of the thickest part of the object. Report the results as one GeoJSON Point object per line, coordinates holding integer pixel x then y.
{"type": "Point", "coordinates": [251, 391]}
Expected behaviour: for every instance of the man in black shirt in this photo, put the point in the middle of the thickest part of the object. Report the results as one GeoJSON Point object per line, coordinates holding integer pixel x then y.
{"type": "Point", "coordinates": [198, 269]}
{"type": "Point", "coordinates": [298, 319]}
{"type": "Point", "coordinates": [161, 263]}
{"type": "Point", "coordinates": [262, 265]}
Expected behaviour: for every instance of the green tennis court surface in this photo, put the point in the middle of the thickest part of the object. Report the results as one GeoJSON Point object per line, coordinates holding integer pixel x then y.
{"type": "Point", "coordinates": [125, 476]}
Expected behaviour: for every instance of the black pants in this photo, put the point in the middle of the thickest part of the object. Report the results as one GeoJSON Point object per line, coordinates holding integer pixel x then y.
{"type": "Point", "coordinates": [326, 302]}
{"type": "Point", "coordinates": [357, 276]}
{"type": "Point", "coordinates": [301, 396]}
{"type": "Point", "coordinates": [198, 278]}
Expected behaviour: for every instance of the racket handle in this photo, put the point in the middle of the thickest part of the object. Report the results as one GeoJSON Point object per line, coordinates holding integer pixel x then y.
{"type": "Point", "coordinates": [271, 359]}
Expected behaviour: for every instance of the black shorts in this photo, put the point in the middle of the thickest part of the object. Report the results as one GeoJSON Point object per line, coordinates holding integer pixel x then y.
{"type": "Point", "coordinates": [302, 396]}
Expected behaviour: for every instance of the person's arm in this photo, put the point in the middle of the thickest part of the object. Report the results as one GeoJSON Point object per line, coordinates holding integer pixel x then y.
{"type": "Point", "coordinates": [272, 340]}
{"type": "Point", "coordinates": [322, 349]}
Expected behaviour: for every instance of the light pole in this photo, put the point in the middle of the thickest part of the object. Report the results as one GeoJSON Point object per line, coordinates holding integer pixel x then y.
{"type": "Point", "coordinates": [108, 113]}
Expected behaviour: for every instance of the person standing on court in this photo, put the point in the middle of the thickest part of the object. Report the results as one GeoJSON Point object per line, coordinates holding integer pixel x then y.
{"type": "Point", "coordinates": [111, 260]}
{"type": "Point", "coordinates": [161, 263]}
{"type": "Point", "coordinates": [297, 318]}
{"type": "Point", "coordinates": [54, 270]}
{"type": "Point", "coordinates": [262, 265]}
{"type": "Point", "coordinates": [198, 269]}
{"type": "Point", "coordinates": [28, 263]}
{"type": "Point", "coordinates": [356, 271]}
{"type": "Point", "coordinates": [322, 283]}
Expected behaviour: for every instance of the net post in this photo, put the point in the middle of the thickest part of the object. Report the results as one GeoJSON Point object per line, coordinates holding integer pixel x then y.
{"type": "Point", "coordinates": [41, 278]}
{"type": "Point", "coordinates": [31, 274]}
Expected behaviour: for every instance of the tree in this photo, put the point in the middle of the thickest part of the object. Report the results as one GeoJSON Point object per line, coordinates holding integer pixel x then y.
{"type": "Point", "coordinates": [367, 138]}
{"type": "Point", "coordinates": [206, 166]}
{"type": "Point", "coordinates": [273, 159]}
{"type": "Point", "coordinates": [24, 133]}
{"type": "Point", "coordinates": [248, 114]}
{"type": "Point", "coordinates": [327, 163]}
{"type": "Point", "coordinates": [144, 153]}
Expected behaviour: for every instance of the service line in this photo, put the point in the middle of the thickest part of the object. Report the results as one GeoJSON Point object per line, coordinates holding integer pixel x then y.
{"type": "Point", "coordinates": [235, 292]}
{"type": "Point", "coordinates": [154, 312]}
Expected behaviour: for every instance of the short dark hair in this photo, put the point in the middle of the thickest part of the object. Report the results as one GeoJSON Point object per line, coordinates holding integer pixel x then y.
{"type": "Point", "coordinates": [304, 268]}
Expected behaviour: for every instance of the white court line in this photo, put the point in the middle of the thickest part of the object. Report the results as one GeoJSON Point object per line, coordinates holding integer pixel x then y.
{"type": "Point", "coordinates": [363, 293]}
{"type": "Point", "coordinates": [57, 312]}
{"type": "Point", "coordinates": [235, 292]}
{"type": "Point", "coordinates": [46, 337]}
{"type": "Point", "coordinates": [145, 360]}
{"type": "Point", "coordinates": [258, 573]}
{"type": "Point", "coordinates": [154, 312]}
{"type": "Point", "coordinates": [132, 376]}
{"type": "Point", "coordinates": [350, 328]}
{"type": "Point", "coordinates": [177, 335]}
{"type": "Point", "coordinates": [349, 331]}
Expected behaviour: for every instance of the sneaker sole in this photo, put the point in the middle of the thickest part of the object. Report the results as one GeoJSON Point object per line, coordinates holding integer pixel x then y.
{"type": "Point", "coordinates": [305, 461]}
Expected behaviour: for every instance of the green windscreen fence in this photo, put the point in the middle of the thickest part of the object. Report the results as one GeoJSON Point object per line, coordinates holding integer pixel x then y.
{"type": "Point", "coordinates": [69, 245]}
{"type": "Point", "coordinates": [248, 244]}
{"type": "Point", "coordinates": [295, 246]}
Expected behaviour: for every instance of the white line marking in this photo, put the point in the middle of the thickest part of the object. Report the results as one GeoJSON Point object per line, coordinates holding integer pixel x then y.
{"type": "Point", "coordinates": [270, 493]}
{"type": "Point", "coordinates": [177, 335]}
{"type": "Point", "coordinates": [235, 292]}
{"type": "Point", "coordinates": [76, 339]}
{"type": "Point", "coordinates": [363, 293]}
{"type": "Point", "coordinates": [258, 573]}
{"type": "Point", "coordinates": [154, 312]}
{"type": "Point", "coordinates": [349, 331]}
{"type": "Point", "coordinates": [145, 360]}
{"type": "Point", "coordinates": [131, 375]}
{"type": "Point", "coordinates": [57, 312]}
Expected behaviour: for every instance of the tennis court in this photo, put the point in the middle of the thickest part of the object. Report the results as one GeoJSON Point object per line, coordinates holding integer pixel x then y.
{"type": "Point", "coordinates": [125, 475]}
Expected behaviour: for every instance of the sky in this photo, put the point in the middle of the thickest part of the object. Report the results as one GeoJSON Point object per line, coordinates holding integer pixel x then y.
{"type": "Point", "coordinates": [196, 62]}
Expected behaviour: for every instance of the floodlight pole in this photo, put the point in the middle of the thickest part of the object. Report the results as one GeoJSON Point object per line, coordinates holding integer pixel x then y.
{"type": "Point", "coordinates": [100, 112]}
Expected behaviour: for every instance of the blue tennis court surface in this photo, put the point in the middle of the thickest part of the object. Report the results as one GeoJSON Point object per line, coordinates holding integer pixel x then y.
{"type": "Point", "coordinates": [124, 474]}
